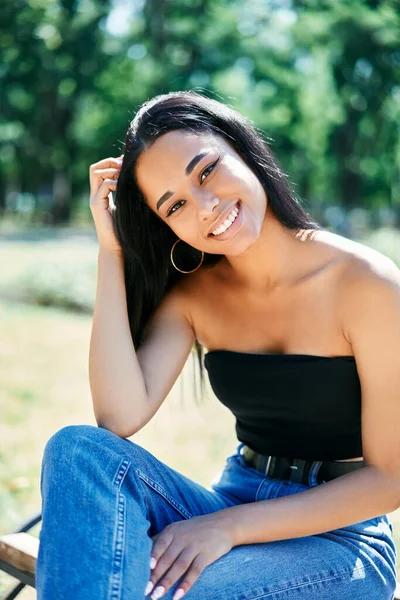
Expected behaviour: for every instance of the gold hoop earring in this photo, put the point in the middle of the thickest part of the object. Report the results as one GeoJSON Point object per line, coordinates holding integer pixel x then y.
{"type": "Point", "coordinates": [172, 260]}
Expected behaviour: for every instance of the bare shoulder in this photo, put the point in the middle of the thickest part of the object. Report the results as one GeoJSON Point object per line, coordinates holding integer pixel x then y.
{"type": "Point", "coordinates": [368, 281]}
{"type": "Point", "coordinates": [359, 262]}
{"type": "Point", "coordinates": [185, 293]}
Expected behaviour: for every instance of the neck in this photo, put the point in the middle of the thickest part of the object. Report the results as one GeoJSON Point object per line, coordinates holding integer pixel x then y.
{"type": "Point", "coordinates": [271, 261]}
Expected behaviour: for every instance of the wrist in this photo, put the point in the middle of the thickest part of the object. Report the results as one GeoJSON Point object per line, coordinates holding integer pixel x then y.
{"type": "Point", "coordinates": [229, 521]}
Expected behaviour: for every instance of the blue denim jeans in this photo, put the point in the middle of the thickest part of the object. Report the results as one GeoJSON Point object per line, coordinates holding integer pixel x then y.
{"type": "Point", "coordinates": [103, 497]}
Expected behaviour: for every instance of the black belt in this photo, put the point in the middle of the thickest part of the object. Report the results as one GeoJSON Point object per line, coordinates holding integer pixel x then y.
{"type": "Point", "coordinates": [297, 470]}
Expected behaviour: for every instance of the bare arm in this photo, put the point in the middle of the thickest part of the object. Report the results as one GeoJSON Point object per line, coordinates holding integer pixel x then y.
{"type": "Point", "coordinates": [128, 387]}
{"type": "Point", "coordinates": [372, 324]}
{"type": "Point", "coordinates": [116, 379]}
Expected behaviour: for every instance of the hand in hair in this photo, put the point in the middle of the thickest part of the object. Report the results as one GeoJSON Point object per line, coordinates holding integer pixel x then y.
{"type": "Point", "coordinates": [103, 177]}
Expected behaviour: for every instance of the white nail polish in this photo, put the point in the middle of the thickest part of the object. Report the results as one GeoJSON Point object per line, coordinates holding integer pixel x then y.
{"type": "Point", "coordinates": [178, 594]}
{"type": "Point", "coordinates": [153, 562]}
{"type": "Point", "coordinates": [158, 592]}
{"type": "Point", "coordinates": [148, 589]}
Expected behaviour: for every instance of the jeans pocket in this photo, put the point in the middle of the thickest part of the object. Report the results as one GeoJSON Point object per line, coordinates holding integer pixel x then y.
{"type": "Point", "coordinates": [156, 487]}
{"type": "Point", "coordinates": [235, 458]}
{"type": "Point", "coordinates": [236, 462]}
{"type": "Point", "coordinates": [238, 481]}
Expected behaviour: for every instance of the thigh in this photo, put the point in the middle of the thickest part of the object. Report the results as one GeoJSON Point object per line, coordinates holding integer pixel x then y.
{"type": "Point", "coordinates": [352, 563]}
{"type": "Point", "coordinates": [309, 568]}
{"type": "Point", "coordinates": [164, 494]}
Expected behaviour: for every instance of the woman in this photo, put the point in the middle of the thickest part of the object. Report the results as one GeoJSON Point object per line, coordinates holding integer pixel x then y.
{"type": "Point", "coordinates": [302, 328]}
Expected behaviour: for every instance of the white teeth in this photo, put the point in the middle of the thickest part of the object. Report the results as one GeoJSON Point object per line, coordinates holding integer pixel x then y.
{"type": "Point", "coordinates": [227, 223]}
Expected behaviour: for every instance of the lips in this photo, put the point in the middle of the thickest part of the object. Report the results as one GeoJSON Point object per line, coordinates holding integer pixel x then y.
{"type": "Point", "coordinates": [220, 220]}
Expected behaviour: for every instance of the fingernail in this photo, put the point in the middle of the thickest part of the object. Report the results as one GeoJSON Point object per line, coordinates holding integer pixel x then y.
{"type": "Point", "coordinates": [178, 594]}
{"type": "Point", "coordinates": [153, 562]}
{"type": "Point", "coordinates": [149, 587]}
{"type": "Point", "coordinates": [158, 592]}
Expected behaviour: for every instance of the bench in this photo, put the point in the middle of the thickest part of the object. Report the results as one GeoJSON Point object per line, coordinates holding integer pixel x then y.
{"type": "Point", "coordinates": [18, 554]}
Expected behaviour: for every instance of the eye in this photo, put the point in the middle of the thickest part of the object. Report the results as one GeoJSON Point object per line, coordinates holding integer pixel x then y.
{"type": "Point", "coordinates": [206, 170]}
{"type": "Point", "coordinates": [172, 207]}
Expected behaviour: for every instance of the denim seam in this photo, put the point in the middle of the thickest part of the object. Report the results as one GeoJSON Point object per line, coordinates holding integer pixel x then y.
{"type": "Point", "coordinates": [306, 583]}
{"type": "Point", "coordinates": [259, 490]}
{"type": "Point", "coordinates": [160, 490]}
{"type": "Point", "coordinates": [312, 475]}
{"type": "Point", "coordinates": [119, 532]}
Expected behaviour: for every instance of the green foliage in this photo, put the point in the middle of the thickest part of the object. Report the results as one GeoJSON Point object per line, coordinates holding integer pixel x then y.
{"type": "Point", "coordinates": [321, 79]}
{"type": "Point", "coordinates": [63, 273]}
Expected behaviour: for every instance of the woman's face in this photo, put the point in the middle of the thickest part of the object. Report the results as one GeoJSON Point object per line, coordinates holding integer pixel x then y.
{"type": "Point", "coordinates": [195, 183]}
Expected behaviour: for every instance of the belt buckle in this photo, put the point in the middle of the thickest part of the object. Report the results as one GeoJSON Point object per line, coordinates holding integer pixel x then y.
{"type": "Point", "coordinates": [297, 470]}
{"type": "Point", "coordinates": [268, 465]}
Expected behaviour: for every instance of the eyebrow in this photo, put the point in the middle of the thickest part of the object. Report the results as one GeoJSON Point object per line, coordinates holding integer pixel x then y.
{"type": "Point", "coordinates": [188, 171]}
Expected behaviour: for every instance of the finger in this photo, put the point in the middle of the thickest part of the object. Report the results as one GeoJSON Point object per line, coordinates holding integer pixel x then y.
{"type": "Point", "coordinates": [163, 541]}
{"type": "Point", "coordinates": [100, 176]}
{"type": "Point", "coordinates": [164, 562]}
{"type": "Point", "coordinates": [106, 163]}
{"type": "Point", "coordinates": [103, 192]}
{"type": "Point", "coordinates": [193, 573]}
{"type": "Point", "coordinates": [167, 561]}
{"type": "Point", "coordinates": [180, 565]}
{"type": "Point", "coordinates": [113, 169]}
{"type": "Point", "coordinates": [107, 173]}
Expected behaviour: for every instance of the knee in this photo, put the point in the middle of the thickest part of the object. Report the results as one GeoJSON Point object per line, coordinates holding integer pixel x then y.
{"type": "Point", "coordinates": [63, 441]}
{"type": "Point", "coordinates": [68, 440]}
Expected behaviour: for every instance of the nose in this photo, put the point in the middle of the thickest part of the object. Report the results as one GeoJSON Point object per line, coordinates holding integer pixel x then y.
{"type": "Point", "coordinates": [207, 204]}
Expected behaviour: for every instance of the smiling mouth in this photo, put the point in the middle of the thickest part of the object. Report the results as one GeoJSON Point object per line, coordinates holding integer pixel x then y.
{"type": "Point", "coordinates": [238, 207]}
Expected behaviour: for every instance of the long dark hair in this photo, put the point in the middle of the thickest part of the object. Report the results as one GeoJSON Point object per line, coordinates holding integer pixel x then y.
{"type": "Point", "coordinates": [145, 238]}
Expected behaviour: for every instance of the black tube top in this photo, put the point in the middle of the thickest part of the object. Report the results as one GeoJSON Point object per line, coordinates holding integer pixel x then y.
{"type": "Point", "coordinates": [294, 405]}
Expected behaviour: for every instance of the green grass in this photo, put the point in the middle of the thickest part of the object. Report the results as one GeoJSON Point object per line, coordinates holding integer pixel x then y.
{"type": "Point", "coordinates": [44, 382]}
{"type": "Point", "coordinates": [44, 386]}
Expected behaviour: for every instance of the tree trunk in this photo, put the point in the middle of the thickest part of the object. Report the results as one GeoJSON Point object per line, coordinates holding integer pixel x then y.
{"type": "Point", "coordinates": [61, 208]}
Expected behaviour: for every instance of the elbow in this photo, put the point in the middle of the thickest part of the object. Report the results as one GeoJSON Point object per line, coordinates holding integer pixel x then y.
{"type": "Point", "coordinates": [122, 432]}
{"type": "Point", "coordinates": [124, 418]}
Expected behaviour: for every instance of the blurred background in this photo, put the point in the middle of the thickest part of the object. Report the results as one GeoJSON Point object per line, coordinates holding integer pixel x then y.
{"type": "Point", "coordinates": [320, 78]}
